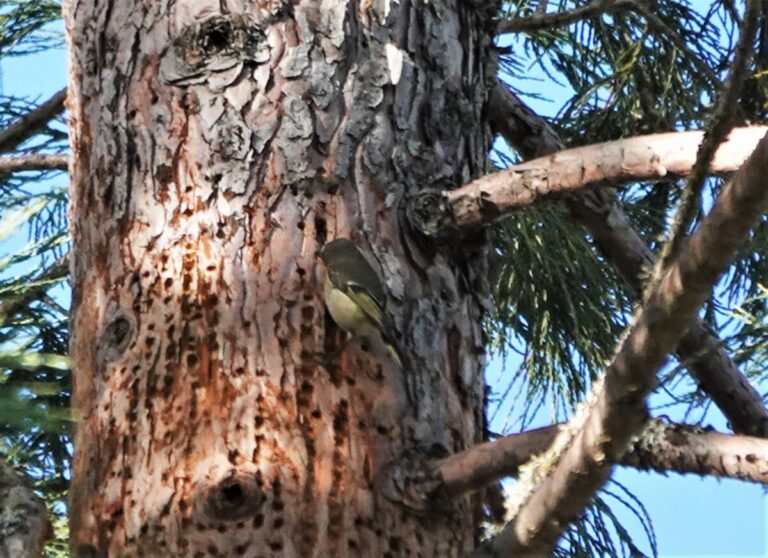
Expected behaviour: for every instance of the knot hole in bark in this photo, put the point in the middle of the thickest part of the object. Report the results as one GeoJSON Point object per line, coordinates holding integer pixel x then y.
{"type": "Point", "coordinates": [220, 43]}
{"type": "Point", "coordinates": [235, 35]}
{"type": "Point", "coordinates": [234, 498]}
{"type": "Point", "coordinates": [215, 36]}
{"type": "Point", "coordinates": [115, 338]}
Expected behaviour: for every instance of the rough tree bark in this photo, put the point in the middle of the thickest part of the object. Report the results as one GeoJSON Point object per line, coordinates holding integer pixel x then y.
{"type": "Point", "coordinates": [216, 147]}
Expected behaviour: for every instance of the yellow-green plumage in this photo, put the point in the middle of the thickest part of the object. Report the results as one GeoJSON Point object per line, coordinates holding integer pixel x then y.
{"type": "Point", "coordinates": [354, 293]}
{"type": "Point", "coordinates": [355, 313]}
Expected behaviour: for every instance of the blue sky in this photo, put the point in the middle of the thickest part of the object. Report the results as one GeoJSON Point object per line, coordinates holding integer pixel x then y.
{"type": "Point", "coordinates": [693, 517]}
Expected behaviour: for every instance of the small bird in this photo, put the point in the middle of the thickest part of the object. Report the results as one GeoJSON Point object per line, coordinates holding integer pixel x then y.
{"type": "Point", "coordinates": [354, 294]}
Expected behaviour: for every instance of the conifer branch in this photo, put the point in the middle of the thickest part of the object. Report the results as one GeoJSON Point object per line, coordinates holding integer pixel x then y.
{"type": "Point", "coordinates": [668, 155]}
{"type": "Point", "coordinates": [558, 19]}
{"type": "Point", "coordinates": [561, 483]}
{"type": "Point", "coordinates": [660, 27]}
{"type": "Point", "coordinates": [613, 234]}
{"type": "Point", "coordinates": [717, 130]}
{"type": "Point", "coordinates": [541, 20]}
{"type": "Point", "coordinates": [13, 305]}
{"type": "Point", "coordinates": [660, 446]}
{"type": "Point", "coordinates": [20, 163]}
{"type": "Point", "coordinates": [32, 122]}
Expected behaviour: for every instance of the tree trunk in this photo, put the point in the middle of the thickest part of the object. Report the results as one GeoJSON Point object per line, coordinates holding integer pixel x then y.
{"type": "Point", "coordinates": [217, 146]}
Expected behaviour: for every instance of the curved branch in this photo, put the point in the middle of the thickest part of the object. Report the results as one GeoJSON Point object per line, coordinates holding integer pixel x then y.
{"type": "Point", "coordinates": [561, 484]}
{"type": "Point", "coordinates": [596, 8]}
{"type": "Point", "coordinates": [668, 155]}
{"type": "Point", "coordinates": [32, 122]}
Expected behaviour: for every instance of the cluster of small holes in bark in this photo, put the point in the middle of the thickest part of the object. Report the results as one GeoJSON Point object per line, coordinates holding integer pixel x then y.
{"type": "Point", "coordinates": [336, 507]}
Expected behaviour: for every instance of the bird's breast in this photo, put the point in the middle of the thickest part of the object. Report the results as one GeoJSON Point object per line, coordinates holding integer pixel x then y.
{"type": "Point", "coordinates": [346, 313]}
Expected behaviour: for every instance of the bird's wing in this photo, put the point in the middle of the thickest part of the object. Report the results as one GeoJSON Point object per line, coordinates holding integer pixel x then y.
{"type": "Point", "coordinates": [372, 307]}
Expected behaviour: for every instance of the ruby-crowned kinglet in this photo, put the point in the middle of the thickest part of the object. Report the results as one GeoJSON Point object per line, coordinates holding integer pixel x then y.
{"type": "Point", "coordinates": [354, 294]}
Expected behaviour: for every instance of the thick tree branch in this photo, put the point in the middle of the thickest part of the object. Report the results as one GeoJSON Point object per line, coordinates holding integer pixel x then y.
{"type": "Point", "coordinates": [681, 448]}
{"type": "Point", "coordinates": [24, 523]}
{"type": "Point", "coordinates": [669, 155]}
{"type": "Point", "coordinates": [558, 19]}
{"type": "Point", "coordinates": [614, 236]}
{"type": "Point", "coordinates": [21, 163]}
{"type": "Point", "coordinates": [32, 122]}
{"type": "Point", "coordinates": [561, 484]}
{"type": "Point", "coordinates": [661, 447]}
{"type": "Point", "coordinates": [523, 129]}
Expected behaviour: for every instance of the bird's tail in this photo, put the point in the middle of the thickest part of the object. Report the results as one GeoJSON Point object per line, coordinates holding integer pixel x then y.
{"type": "Point", "coordinates": [394, 352]}
{"type": "Point", "coordinates": [393, 349]}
